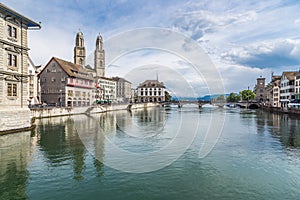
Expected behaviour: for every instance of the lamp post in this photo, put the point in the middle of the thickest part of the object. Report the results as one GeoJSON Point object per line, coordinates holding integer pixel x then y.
{"type": "Point", "coordinates": [60, 98]}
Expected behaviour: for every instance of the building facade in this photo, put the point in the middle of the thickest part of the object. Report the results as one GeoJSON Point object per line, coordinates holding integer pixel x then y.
{"type": "Point", "coordinates": [260, 90]}
{"type": "Point", "coordinates": [275, 101]}
{"type": "Point", "coordinates": [297, 85]}
{"type": "Point", "coordinates": [66, 84]}
{"type": "Point", "coordinates": [123, 90]}
{"type": "Point", "coordinates": [33, 84]}
{"type": "Point", "coordinates": [151, 91]}
{"type": "Point", "coordinates": [287, 88]}
{"type": "Point", "coordinates": [14, 69]}
{"type": "Point", "coordinates": [108, 89]}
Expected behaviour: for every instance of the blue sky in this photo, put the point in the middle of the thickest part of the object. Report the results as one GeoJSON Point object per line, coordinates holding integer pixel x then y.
{"type": "Point", "coordinates": [244, 39]}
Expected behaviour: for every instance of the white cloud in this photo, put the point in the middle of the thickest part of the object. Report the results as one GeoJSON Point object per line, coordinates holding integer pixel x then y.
{"type": "Point", "coordinates": [239, 36]}
{"type": "Point", "coordinates": [274, 53]}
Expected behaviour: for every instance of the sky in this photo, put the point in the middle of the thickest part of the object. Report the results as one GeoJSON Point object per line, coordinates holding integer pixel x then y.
{"type": "Point", "coordinates": [243, 39]}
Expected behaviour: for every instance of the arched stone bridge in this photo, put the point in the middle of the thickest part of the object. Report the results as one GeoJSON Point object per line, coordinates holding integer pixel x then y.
{"type": "Point", "coordinates": [250, 105]}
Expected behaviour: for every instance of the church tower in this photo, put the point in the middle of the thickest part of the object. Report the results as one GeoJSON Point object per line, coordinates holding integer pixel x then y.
{"type": "Point", "coordinates": [79, 50]}
{"type": "Point", "coordinates": [99, 57]}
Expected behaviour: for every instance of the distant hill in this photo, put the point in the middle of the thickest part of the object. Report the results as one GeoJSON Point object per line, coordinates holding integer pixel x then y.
{"type": "Point", "coordinates": [209, 97]}
{"type": "Point", "coordinates": [203, 98]}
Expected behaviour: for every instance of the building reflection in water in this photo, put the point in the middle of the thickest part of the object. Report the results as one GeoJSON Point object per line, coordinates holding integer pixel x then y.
{"type": "Point", "coordinates": [103, 133]}
{"type": "Point", "coordinates": [68, 141]}
{"type": "Point", "coordinates": [15, 155]}
{"type": "Point", "coordinates": [282, 126]}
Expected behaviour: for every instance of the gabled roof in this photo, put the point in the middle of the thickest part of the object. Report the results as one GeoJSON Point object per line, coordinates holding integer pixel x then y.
{"type": "Point", "coordinates": [73, 70]}
{"type": "Point", "coordinates": [120, 79]}
{"type": "Point", "coordinates": [289, 75]}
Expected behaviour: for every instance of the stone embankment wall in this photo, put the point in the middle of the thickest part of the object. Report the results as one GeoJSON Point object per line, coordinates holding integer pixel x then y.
{"type": "Point", "coordinates": [62, 111]}
{"type": "Point", "coordinates": [282, 110]}
{"type": "Point", "coordinates": [16, 119]}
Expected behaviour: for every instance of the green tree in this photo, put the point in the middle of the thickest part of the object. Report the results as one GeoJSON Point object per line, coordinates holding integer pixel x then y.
{"type": "Point", "coordinates": [247, 95]}
{"type": "Point", "coordinates": [233, 97]}
{"type": "Point", "coordinates": [221, 98]}
{"type": "Point", "coordinates": [168, 97]}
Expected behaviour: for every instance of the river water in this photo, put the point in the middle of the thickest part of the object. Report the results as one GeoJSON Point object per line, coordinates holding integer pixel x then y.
{"type": "Point", "coordinates": [154, 154]}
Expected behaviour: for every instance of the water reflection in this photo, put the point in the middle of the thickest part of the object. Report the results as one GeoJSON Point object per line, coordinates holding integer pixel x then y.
{"type": "Point", "coordinates": [61, 144]}
{"type": "Point", "coordinates": [283, 126]}
{"type": "Point", "coordinates": [15, 156]}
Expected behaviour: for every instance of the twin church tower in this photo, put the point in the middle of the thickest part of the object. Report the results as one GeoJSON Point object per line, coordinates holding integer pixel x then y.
{"type": "Point", "coordinates": [99, 54]}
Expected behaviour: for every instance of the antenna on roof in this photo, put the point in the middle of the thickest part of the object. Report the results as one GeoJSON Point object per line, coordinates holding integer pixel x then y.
{"type": "Point", "coordinates": [156, 76]}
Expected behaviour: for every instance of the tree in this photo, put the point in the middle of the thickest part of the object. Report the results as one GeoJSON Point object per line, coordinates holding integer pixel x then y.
{"type": "Point", "coordinates": [168, 97]}
{"type": "Point", "coordinates": [247, 95]}
{"type": "Point", "coordinates": [218, 99]}
{"type": "Point", "coordinates": [233, 97]}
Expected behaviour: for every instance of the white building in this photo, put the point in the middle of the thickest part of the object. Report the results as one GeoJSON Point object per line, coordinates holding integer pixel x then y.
{"type": "Point", "coordinates": [276, 91]}
{"type": "Point", "coordinates": [14, 69]}
{"type": "Point", "coordinates": [287, 88]}
{"type": "Point", "coordinates": [151, 91]}
{"type": "Point", "coordinates": [123, 89]}
{"type": "Point", "coordinates": [108, 89]}
{"type": "Point", "coordinates": [33, 84]}
{"type": "Point", "coordinates": [297, 85]}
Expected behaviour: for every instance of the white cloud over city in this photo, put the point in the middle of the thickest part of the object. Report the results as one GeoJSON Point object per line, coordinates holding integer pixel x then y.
{"type": "Point", "coordinates": [244, 39]}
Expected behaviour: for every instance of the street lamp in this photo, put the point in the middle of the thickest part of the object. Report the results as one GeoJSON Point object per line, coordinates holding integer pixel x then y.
{"type": "Point", "coordinates": [60, 98]}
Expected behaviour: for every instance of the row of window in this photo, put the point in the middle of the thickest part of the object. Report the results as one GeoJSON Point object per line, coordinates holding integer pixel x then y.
{"type": "Point", "coordinates": [287, 84]}
{"type": "Point", "coordinates": [107, 82]}
{"type": "Point", "coordinates": [287, 91]}
{"type": "Point", "coordinates": [77, 93]}
{"type": "Point", "coordinates": [288, 97]}
{"type": "Point", "coordinates": [53, 70]}
{"type": "Point", "coordinates": [150, 88]}
{"type": "Point", "coordinates": [51, 90]}
{"type": "Point", "coordinates": [150, 93]}
{"type": "Point", "coordinates": [79, 81]}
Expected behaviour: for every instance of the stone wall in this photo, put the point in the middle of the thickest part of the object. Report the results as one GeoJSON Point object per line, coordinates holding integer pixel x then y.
{"type": "Point", "coordinates": [63, 111]}
{"type": "Point", "coordinates": [14, 119]}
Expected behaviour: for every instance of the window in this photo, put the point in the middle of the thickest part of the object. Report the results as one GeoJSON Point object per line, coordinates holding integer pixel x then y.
{"type": "Point", "coordinates": [12, 31]}
{"type": "Point", "coordinates": [70, 93]}
{"type": "Point", "coordinates": [9, 30]}
{"type": "Point", "coordinates": [11, 89]}
{"type": "Point", "coordinates": [12, 60]}
{"type": "Point", "coordinates": [53, 79]}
